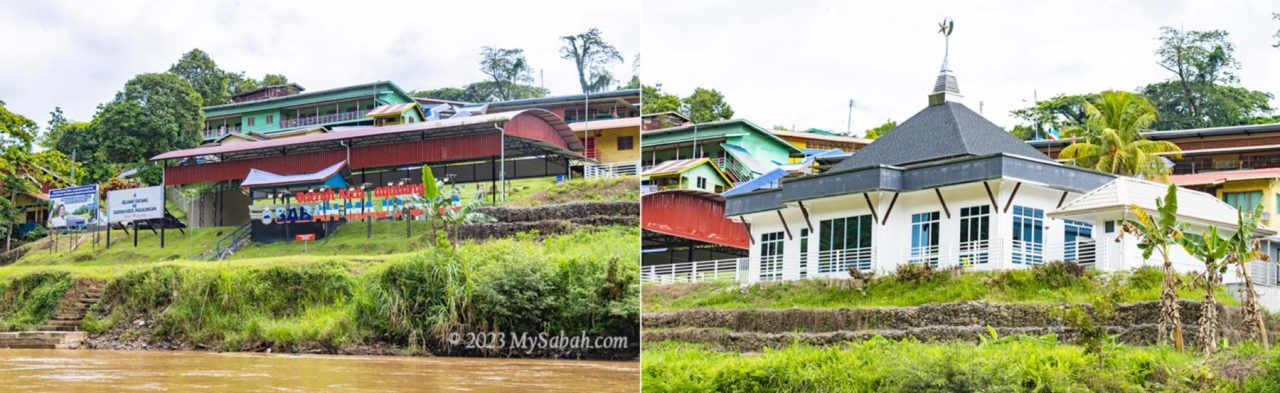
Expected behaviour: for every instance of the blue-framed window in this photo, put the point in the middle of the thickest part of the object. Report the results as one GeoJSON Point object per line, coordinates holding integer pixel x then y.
{"type": "Point", "coordinates": [924, 238]}
{"type": "Point", "coordinates": [1028, 235]}
{"type": "Point", "coordinates": [1073, 231]}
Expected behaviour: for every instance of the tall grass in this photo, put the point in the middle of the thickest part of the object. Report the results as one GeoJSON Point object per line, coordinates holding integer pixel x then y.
{"type": "Point", "coordinates": [1042, 284]}
{"type": "Point", "coordinates": [1013, 364]}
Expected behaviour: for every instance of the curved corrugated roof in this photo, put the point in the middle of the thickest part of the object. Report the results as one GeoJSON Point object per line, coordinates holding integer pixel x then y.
{"type": "Point", "coordinates": [570, 139]}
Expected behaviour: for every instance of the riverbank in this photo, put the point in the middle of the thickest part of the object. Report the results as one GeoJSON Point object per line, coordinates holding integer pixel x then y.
{"type": "Point", "coordinates": [584, 282]}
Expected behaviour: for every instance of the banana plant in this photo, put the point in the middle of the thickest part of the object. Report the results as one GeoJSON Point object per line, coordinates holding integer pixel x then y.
{"type": "Point", "coordinates": [1156, 234]}
{"type": "Point", "coordinates": [1214, 250]}
{"type": "Point", "coordinates": [1244, 250]}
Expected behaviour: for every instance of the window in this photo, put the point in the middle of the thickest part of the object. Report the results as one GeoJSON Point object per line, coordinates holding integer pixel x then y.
{"type": "Point", "coordinates": [250, 121]}
{"type": "Point", "coordinates": [1109, 227]}
{"type": "Point", "coordinates": [804, 252]}
{"type": "Point", "coordinates": [702, 183]}
{"type": "Point", "coordinates": [771, 251]}
{"type": "Point", "coordinates": [975, 234]}
{"type": "Point", "coordinates": [1028, 235]}
{"type": "Point", "coordinates": [626, 143]}
{"type": "Point", "coordinates": [1243, 200]}
{"type": "Point", "coordinates": [270, 119]}
{"type": "Point", "coordinates": [924, 238]}
{"type": "Point", "coordinates": [844, 243]}
{"type": "Point", "coordinates": [1076, 235]}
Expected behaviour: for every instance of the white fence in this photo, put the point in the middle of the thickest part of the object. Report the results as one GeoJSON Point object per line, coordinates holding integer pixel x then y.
{"type": "Point", "coordinates": [593, 171]}
{"type": "Point", "coordinates": [697, 271]}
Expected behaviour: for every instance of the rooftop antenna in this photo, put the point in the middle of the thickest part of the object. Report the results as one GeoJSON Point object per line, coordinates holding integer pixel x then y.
{"type": "Point", "coordinates": [980, 105]}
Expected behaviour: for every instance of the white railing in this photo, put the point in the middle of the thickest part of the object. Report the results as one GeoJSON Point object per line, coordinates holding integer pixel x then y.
{"type": "Point", "coordinates": [215, 133]}
{"type": "Point", "coordinates": [1264, 273]}
{"type": "Point", "coordinates": [321, 119]}
{"type": "Point", "coordinates": [594, 171]}
{"type": "Point", "coordinates": [840, 261]}
{"type": "Point", "coordinates": [697, 271]}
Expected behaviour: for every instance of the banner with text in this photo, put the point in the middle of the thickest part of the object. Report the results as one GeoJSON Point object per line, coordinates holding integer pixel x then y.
{"type": "Point", "coordinates": [135, 204]}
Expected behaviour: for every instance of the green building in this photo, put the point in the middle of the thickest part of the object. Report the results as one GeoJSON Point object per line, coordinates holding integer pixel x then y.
{"type": "Point", "coordinates": [285, 109]}
{"type": "Point", "coordinates": [686, 174]}
{"type": "Point", "coordinates": [740, 148]}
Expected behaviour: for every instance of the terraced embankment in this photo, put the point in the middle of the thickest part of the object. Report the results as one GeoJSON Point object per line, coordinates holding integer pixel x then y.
{"type": "Point", "coordinates": [551, 219]}
{"type": "Point", "coordinates": [753, 330]}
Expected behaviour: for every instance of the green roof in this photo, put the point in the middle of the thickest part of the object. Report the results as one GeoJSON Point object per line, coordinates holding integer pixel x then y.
{"type": "Point", "coordinates": [709, 130]}
{"type": "Point", "coordinates": [305, 98]}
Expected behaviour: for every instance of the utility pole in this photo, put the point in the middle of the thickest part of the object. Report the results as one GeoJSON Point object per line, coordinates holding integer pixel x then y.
{"type": "Point", "coordinates": [848, 129]}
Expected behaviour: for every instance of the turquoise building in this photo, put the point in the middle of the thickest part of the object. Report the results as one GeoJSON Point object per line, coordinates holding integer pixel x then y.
{"type": "Point", "coordinates": [285, 109]}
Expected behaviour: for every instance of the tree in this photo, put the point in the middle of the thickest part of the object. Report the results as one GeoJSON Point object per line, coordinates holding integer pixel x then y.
{"type": "Point", "coordinates": [880, 130]}
{"type": "Point", "coordinates": [1156, 234]}
{"type": "Point", "coordinates": [1199, 61]}
{"type": "Point", "coordinates": [506, 68]}
{"type": "Point", "coordinates": [274, 80]}
{"type": "Point", "coordinates": [706, 105]}
{"type": "Point", "coordinates": [1110, 140]}
{"type": "Point", "coordinates": [155, 113]}
{"type": "Point", "coordinates": [21, 170]}
{"type": "Point", "coordinates": [444, 93]}
{"type": "Point", "coordinates": [653, 100]}
{"type": "Point", "coordinates": [1213, 250]}
{"type": "Point", "coordinates": [1245, 250]}
{"type": "Point", "coordinates": [1060, 112]}
{"type": "Point", "coordinates": [198, 69]}
{"type": "Point", "coordinates": [592, 55]}
{"type": "Point", "coordinates": [1219, 105]}
{"type": "Point", "coordinates": [634, 82]}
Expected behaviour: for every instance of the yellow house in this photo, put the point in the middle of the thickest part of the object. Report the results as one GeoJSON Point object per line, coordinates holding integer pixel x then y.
{"type": "Point", "coordinates": [823, 141]}
{"type": "Point", "coordinates": [610, 141]}
{"type": "Point", "coordinates": [1244, 189]}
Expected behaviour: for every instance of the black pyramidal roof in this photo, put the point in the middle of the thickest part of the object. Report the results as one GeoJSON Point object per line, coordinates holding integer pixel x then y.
{"type": "Point", "coordinates": [942, 131]}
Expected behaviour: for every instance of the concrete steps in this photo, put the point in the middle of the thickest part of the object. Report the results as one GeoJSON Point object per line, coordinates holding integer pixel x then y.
{"type": "Point", "coordinates": [42, 340]}
{"type": "Point", "coordinates": [73, 309]}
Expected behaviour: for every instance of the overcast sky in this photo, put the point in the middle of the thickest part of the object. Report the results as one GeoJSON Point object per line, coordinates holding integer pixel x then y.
{"type": "Point", "coordinates": [798, 63]}
{"type": "Point", "coordinates": [79, 54]}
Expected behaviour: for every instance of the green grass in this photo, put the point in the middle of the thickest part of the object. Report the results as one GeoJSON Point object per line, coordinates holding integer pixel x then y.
{"type": "Point", "coordinates": [27, 302]}
{"type": "Point", "coordinates": [1039, 285]}
{"type": "Point", "coordinates": [1010, 364]}
{"type": "Point", "coordinates": [325, 302]}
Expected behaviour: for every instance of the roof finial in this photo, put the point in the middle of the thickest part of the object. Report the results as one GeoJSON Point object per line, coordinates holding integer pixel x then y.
{"type": "Point", "coordinates": [945, 28]}
{"type": "Point", "coordinates": [945, 89]}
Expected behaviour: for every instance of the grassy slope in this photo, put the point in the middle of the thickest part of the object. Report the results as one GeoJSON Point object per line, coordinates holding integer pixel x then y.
{"type": "Point", "coordinates": [1019, 286]}
{"type": "Point", "coordinates": [298, 302]}
{"type": "Point", "coordinates": [1007, 364]}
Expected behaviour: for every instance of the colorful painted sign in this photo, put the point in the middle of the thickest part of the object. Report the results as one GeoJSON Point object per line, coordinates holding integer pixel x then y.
{"type": "Point", "coordinates": [73, 207]}
{"type": "Point", "coordinates": [305, 237]}
{"type": "Point", "coordinates": [135, 204]}
{"type": "Point", "coordinates": [350, 204]}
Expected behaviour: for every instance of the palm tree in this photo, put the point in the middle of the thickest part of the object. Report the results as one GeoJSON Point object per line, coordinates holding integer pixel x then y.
{"type": "Point", "coordinates": [1211, 248]}
{"type": "Point", "coordinates": [1112, 138]}
{"type": "Point", "coordinates": [1244, 249]}
{"type": "Point", "coordinates": [1156, 234]}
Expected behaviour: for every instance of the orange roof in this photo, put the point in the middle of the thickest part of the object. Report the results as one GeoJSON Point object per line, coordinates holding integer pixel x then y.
{"type": "Point", "coordinates": [820, 137]}
{"type": "Point", "coordinates": [1207, 178]}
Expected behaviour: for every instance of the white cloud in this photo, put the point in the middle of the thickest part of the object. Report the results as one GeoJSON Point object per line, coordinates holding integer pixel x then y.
{"type": "Point", "coordinates": [798, 63]}
{"type": "Point", "coordinates": [78, 54]}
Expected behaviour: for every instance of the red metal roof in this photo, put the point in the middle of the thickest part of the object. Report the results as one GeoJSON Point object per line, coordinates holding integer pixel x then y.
{"type": "Point", "coordinates": [1206, 178]}
{"type": "Point", "coordinates": [692, 215]}
{"type": "Point", "coordinates": [567, 139]}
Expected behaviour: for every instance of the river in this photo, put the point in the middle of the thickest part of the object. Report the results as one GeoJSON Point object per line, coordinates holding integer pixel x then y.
{"type": "Point", "coordinates": [39, 370]}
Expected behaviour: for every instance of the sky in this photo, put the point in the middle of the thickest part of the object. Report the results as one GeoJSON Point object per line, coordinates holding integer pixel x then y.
{"type": "Point", "coordinates": [797, 64]}
{"type": "Point", "coordinates": [76, 54]}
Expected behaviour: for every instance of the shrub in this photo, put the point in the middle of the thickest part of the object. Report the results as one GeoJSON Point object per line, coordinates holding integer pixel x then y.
{"type": "Point", "coordinates": [915, 273]}
{"type": "Point", "coordinates": [1058, 274]}
{"type": "Point", "coordinates": [28, 301]}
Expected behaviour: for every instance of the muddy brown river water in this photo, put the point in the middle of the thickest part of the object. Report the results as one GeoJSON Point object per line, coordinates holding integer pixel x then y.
{"type": "Point", "coordinates": [37, 370]}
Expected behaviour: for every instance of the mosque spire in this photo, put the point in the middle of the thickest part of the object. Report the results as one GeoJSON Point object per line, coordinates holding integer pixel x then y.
{"type": "Point", "coordinates": [945, 88]}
